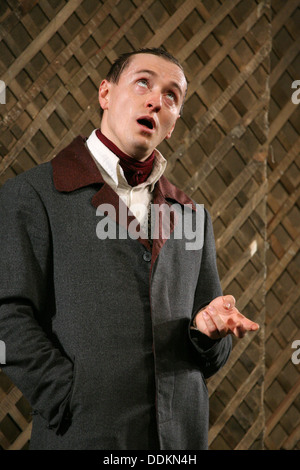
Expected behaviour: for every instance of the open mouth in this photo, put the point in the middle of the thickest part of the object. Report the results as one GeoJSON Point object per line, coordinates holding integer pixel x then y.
{"type": "Point", "coordinates": [146, 122]}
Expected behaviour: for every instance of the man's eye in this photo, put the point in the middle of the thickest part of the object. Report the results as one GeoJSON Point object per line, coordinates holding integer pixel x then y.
{"type": "Point", "coordinates": [143, 82]}
{"type": "Point", "coordinates": [171, 96]}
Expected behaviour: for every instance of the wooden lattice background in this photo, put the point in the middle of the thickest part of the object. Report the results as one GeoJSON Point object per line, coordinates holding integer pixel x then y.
{"type": "Point", "coordinates": [236, 149]}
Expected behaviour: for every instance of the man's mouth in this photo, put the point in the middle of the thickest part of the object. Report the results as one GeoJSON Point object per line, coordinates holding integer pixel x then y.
{"type": "Point", "coordinates": [147, 122]}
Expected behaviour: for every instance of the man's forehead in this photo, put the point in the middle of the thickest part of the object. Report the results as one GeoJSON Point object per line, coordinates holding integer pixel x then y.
{"type": "Point", "coordinates": [157, 65]}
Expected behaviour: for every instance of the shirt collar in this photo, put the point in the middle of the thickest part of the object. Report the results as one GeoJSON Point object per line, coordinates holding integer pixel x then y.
{"type": "Point", "coordinates": [73, 168]}
{"type": "Point", "coordinates": [109, 161]}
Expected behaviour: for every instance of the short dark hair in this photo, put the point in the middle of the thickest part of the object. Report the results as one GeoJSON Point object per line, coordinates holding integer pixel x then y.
{"type": "Point", "coordinates": [123, 61]}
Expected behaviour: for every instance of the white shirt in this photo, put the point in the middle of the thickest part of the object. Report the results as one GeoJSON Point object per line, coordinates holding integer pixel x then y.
{"type": "Point", "coordinates": [136, 198]}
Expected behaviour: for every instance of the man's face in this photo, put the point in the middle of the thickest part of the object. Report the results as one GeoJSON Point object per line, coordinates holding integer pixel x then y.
{"type": "Point", "coordinates": [141, 110]}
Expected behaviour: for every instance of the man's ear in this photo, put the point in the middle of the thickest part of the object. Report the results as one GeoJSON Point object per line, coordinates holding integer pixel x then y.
{"type": "Point", "coordinates": [104, 93]}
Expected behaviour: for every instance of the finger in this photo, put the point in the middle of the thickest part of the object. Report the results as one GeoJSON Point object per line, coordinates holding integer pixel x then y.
{"type": "Point", "coordinates": [212, 329]}
{"type": "Point", "coordinates": [249, 325]}
{"type": "Point", "coordinates": [236, 327]}
{"type": "Point", "coordinates": [228, 301]}
{"type": "Point", "coordinates": [241, 327]}
{"type": "Point", "coordinates": [240, 331]}
{"type": "Point", "coordinates": [218, 321]}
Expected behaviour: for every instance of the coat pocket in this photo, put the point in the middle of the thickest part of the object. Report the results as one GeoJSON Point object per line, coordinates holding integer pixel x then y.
{"type": "Point", "coordinates": [165, 393]}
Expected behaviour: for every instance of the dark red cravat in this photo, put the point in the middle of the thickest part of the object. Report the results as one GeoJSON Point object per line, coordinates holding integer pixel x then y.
{"type": "Point", "coordinates": [135, 172]}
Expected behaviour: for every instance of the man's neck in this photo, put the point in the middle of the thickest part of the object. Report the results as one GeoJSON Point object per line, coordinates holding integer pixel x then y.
{"type": "Point", "coordinates": [135, 171]}
{"type": "Point", "coordinates": [139, 155]}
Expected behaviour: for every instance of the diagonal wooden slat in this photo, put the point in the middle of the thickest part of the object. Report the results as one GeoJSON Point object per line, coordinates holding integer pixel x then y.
{"type": "Point", "coordinates": [282, 408]}
{"type": "Point", "coordinates": [11, 398]}
{"type": "Point", "coordinates": [218, 106]}
{"type": "Point", "coordinates": [44, 36]}
{"type": "Point", "coordinates": [22, 439]}
{"type": "Point", "coordinates": [278, 316]}
{"type": "Point", "coordinates": [283, 262]}
{"type": "Point", "coordinates": [284, 62]}
{"type": "Point", "coordinates": [174, 21]}
{"type": "Point", "coordinates": [210, 24]}
{"type": "Point", "coordinates": [252, 433]}
{"type": "Point", "coordinates": [237, 352]}
{"type": "Point", "coordinates": [281, 321]}
{"type": "Point", "coordinates": [243, 215]}
{"type": "Point", "coordinates": [55, 66]}
{"type": "Point", "coordinates": [283, 15]}
{"type": "Point", "coordinates": [234, 402]}
{"type": "Point", "coordinates": [284, 115]}
{"type": "Point", "coordinates": [243, 260]}
{"type": "Point", "coordinates": [292, 439]}
{"type": "Point", "coordinates": [283, 165]}
{"type": "Point", "coordinates": [221, 149]}
{"type": "Point", "coordinates": [230, 43]}
{"type": "Point", "coordinates": [284, 209]}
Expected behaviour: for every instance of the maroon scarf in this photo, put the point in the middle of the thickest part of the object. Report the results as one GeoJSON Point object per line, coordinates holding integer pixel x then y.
{"type": "Point", "coordinates": [135, 172]}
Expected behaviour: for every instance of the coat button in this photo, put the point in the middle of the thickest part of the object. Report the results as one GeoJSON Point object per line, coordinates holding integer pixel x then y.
{"type": "Point", "coordinates": [147, 256]}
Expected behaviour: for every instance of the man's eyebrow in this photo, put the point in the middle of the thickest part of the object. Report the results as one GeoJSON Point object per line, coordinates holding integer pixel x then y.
{"type": "Point", "coordinates": [151, 72]}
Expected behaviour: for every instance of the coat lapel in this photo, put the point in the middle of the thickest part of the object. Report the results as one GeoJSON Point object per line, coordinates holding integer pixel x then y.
{"type": "Point", "coordinates": [165, 193]}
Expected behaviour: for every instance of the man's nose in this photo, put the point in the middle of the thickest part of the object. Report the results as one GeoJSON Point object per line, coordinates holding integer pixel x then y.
{"type": "Point", "coordinates": [154, 101]}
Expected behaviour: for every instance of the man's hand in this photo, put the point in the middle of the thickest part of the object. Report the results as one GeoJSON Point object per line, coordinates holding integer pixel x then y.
{"type": "Point", "coordinates": [221, 318]}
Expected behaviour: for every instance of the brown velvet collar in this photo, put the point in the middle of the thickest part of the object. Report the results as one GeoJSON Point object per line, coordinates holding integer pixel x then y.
{"type": "Point", "coordinates": [74, 168]}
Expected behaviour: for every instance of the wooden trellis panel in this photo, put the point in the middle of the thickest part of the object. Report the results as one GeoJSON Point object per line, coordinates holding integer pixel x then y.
{"type": "Point", "coordinates": [53, 55]}
{"type": "Point", "coordinates": [15, 417]}
{"type": "Point", "coordinates": [282, 379]}
{"type": "Point", "coordinates": [222, 162]}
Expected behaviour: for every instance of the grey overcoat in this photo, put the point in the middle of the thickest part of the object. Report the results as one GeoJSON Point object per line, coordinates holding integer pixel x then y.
{"type": "Point", "coordinates": [97, 331]}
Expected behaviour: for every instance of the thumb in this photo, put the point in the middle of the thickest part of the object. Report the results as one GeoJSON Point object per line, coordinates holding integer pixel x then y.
{"type": "Point", "coordinates": [228, 301]}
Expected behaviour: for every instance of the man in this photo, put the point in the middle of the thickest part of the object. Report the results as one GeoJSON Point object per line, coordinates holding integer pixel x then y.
{"type": "Point", "coordinates": [109, 332]}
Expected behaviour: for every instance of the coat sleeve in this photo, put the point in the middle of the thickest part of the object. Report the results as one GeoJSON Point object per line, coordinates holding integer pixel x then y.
{"type": "Point", "coordinates": [210, 354]}
{"type": "Point", "coordinates": [38, 368]}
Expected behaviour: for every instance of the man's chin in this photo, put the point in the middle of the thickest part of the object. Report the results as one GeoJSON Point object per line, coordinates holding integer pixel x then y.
{"type": "Point", "coordinates": [142, 150]}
